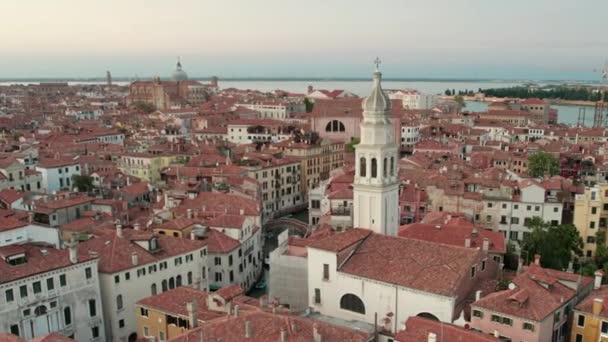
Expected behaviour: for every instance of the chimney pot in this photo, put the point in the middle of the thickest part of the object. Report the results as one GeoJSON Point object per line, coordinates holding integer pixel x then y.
{"type": "Point", "coordinates": [467, 242]}
{"type": "Point", "coordinates": [316, 334]}
{"type": "Point", "coordinates": [283, 335]}
{"type": "Point", "coordinates": [598, 279]}
{"type": "Point", "coordinates": [236, 311]}
{"type": "Point", "coordinates": [598, 304]}
{"type": "Point", "coordinates": [119, 230]}
{"type": "Point", "coordinates": [73, 249]}
{"type": "Point", "coordinates": [248, 329]}
{"type": "Point", "coordinates": [537, 259]}
{"type": "Point", "coordinates": [486, 244]}
{"type": "Point", "coordinates": [191, 308]}
{"type": "Point", "coordinates": [478, 295]}
{"type": "Point", "coordinates": [134, 259]}
{"type": "Point", "coordinates": [432, 337]}
{"type": "Point", "coordinates": [137, 226]}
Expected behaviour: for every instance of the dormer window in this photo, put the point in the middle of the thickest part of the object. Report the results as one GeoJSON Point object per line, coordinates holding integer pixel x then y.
{"type": "Point", "coordinates": [153, 244]}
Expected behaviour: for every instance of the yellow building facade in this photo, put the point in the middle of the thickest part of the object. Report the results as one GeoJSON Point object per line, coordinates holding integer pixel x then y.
{"type": "Point", "coordinates": [590, 318]}
{"type": "Point", "coordinates": [591, 215]}
{"type": "Point", "coordinates": [144, 166]}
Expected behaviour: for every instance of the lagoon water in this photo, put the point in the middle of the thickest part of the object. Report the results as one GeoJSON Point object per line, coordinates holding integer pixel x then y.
{"type": "Point", "coordinates": [566, 114]}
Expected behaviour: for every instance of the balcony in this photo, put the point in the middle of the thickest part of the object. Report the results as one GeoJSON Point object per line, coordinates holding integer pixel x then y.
{"type": "Point", "coordinates": [341, 211]}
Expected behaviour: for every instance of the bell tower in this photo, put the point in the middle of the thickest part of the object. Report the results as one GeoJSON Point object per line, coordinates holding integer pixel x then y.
{"type": "Point", "coordinates": [376, 185]}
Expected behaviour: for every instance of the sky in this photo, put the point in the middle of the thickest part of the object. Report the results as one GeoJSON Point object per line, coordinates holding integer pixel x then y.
{"type": "Point", "coordinates": [472, 39]}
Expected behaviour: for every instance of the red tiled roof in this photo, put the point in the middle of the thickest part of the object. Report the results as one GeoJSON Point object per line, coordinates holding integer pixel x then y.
{"type": "Point", "coordinates": [587, 304]}
{"type": "Point", "coordinates": [417, 264]}
{"type": "Point", "coordinates": [339, 242]}
{"type": "Point", "coordinates": [418, 330]}
{"type": "Point", "coordinates": [40, 259]}
{"type": "Point", "coordinates": [174, 302]}
{"type": "Point", "coordinates": [229, 292]}
{"type": "Point", "coordinates": [267, 326]}
{"type": "Point", "coordinates": [9, 196]}
{"type": "Point", "coordinates": [220, 243]}
{"type": "Point", "coordinates": [9, 223]}
{"type": "Point", "coordinates": [227, 221]}
{"type": "Point", "coordinates": [115, 252]}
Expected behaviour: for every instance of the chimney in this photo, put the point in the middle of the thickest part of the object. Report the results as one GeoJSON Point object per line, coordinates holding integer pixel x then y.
{"type": "Point", "coordinates": [189, 213]}
{"type": "Point", "coordinates": [137, 226]}
{"type": "Point", "coordinates": [467, 242]}
{"type": "Point", "coordinates": [242, 212]}
{"type": "Point", "coordinates": [134, 259]}
{"type": "Point", "coordinates": [192, 235]}
{"type": "Point", "coordinates": [283, 335]}
{"type": "Point", "coordinates": [478, 295]}
{"type": "Point", "coordinates": [263, 301]}
{"type": "Point", "coordinates": [294, 327]}
{"type": "Point", "coordinates": [236, 310]}
{"type": "Point", "coordinates": [598, 279]}
{"type": "Point", "coordinates": [119, 230]}
{"type": "Point", "coordinates": [316, 334]}
{"type": "Point", "coordinates": [537, 259]}
{"type": "Point", "coordinates": [570, 267]}
{"type": "Point", "coordinates": [432, 337]}
{"type": "Point", "coordinates": [520, 265]}
{"type": "Point", "coordinates": [598, 304]}
{"type": "Point", "coordinates": [73, 249]}
{"type": "Point", "coordinates": [486, 244]}
{"type": "Point", "coordinates": [248, 329]}
{"type": "Point", "coordinates": [30, 217]}
{"type": "Point", "coordinates": [191, 308]}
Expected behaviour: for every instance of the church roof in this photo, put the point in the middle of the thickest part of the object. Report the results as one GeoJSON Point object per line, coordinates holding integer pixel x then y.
{"type": "Point", "coordinates": [377, 101]}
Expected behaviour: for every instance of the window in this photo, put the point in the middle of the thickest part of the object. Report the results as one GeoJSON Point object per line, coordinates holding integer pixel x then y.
{"type": "Point", "coordinates": [374, 168]}
{"type": "Point", "coordinates": [15, 329]}
{"type": "Point", "coordinates": [490, 204]}
{"type": "Point", "coordinates": [473, 269]}
{"type": "Point", "coordinates": [67, 315]}
{"type": "Point", "coordinates": [178, 281]}
{"type": "Point", "coordinates": [325, 272]}
{"type": "Point", "coordinates": [127, 276]}
{"type": "Point", "coordinates": [315, 204]}
{"type": "Point", "coordinates": [604, 327]}
{"type": "Point", "coordinates": [62, 280]}
{"type": "Point", "coordinates": [87, 273]}
{"type": "Point", "coordinates": [514, 220]}
{"type": "Point", "coordinates": [581, 321]}
{"type": "Point", "coordinates": [23, 291]}
{"type": "Point", "coordinates": [317, 296]}
{"type": "Point", "coordinates": [483, 265]}
{"type": "Point", "coordinates": [594, 210]}
{"type": "Point", "coordinates": [50, 284]}
{"type": "Point", "coordinates": [218, 276]}
{"type": "Point", "coordinates": [117, 279]}
{"type": "Point", "coordinates": [119, 302]}
{"type": "Point", "coordinates": [592, 224]}
{"type": "Point", "coordinates": [392, 166]}
{"type": "Point", "coordinates": [10, 296]}
{"type": "Point", "coordinates": [230, 260]}
{"type": "Point", "coordinates": [529, 208]}
{"type": "Point", "coordinates": [218, 261]}
{"type": "Point", "coordinates": [590, 239]}
{"type": "Point", "coordinates": [537, 208]}
{"type": "Point", "coordinates": [92, 308]}
{"type": "Point", "coordinates": [189, 278]}
{"type": "Point", "coordinates": [556, 209]}
{"type": "Point", "coordinates": [352, 303]}
{"type": "Point", "coordinates": [37, 287]}
{"type": "Point", "coordinates": [504, 205]}
{"type": "Point", "coordinates": [477, 313]}
{"type": "Point", "coordinates": [161, 335]}
{"type": "Point", "coordinates": [164, 285]}
{"type": "Point", "coordinates": [579, 338]}
{"type": "Point", "coordinates": [384, 167]}
{"type": "Point", "coordinates": [95, 332]}
{"type": "Point", "coordinates": [121, 323]}
{"type": "Point", "coordinates": [528, 326]}
{"type": "Point", "coordinates": [153, 289]}
{"type": "Point", "coordinates": [362, 167]}
{"type": "Point", "coordinates": [146, 331]}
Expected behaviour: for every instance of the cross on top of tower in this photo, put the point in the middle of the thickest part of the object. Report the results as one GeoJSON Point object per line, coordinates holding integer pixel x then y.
{"type": "Point", "coordinates": [377, 61]}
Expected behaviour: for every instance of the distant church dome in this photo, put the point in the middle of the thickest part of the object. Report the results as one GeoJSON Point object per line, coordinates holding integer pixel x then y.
{"type": "Point", "coordinates": [179, 74]}
{"type": "Point", "coordinates": [377, 101]}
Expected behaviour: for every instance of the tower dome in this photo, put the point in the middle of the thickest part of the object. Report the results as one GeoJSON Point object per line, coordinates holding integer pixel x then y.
{"type": "Point", "coordinates": [179, 74]}
{"type": "Point", "coordinates": [377, 102]}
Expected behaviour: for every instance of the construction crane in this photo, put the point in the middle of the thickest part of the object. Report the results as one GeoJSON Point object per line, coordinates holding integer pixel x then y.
{"type": "Point", "coordinates": [600, 117]}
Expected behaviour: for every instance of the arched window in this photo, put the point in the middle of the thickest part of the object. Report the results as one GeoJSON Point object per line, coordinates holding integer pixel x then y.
{"type": "Point", "coordinates": [392, 166]}
{"type": "Point", "coordinates": [40, 310]}
{"type": "Point", "coordinates": [164, 285]}
{"type": "Point", "coordinates": [335, 126]}
{"type": "Point", "coordinates": [119, 302]}
{"type": "Point", "coordinates": [374, 168]}
{"type": "Point", "coordinates": [171, 283]}
{"type": "Point", "coordinates": [178, 281]}
{"type": "Point", "coordinates": [429, 316]}
{"type": "Point", "coordinates": [153, 289]}
{"type": "Point", "coordinates": [189, 278]}
{"type": "Point", "coordinates": [384, 167]}
{"type": "Point", "coordinates": [362, 167]}
{"type": "Point", "coordinates": [352, 303]}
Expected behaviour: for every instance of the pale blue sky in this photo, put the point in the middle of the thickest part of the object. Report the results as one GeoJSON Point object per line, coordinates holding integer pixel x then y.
{"type": "Point", "coordinates": [514, 39]}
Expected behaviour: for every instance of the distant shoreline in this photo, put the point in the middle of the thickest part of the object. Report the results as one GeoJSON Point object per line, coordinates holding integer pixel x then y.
{"type": "Point", "coordinates": [557, 102]}
{"type": "Point", "coordinates": [299, 79]}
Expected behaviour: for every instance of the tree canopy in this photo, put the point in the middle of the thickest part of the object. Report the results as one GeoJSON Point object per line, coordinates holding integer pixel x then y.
{"type": "Point", "coordinates": [542, 163]}
{"type": "Point", "coordinates": [557, 244]}
{"type": "Point", "coordinates": [144, 107]}
{"type": "Point", "coordinates": [84, 183]}
{"type": "Point", "coordinates": [551, 92]}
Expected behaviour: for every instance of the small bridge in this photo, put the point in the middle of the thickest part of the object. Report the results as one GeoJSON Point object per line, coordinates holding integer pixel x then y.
{"type": "Point", "coordinates": [290, 223]}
